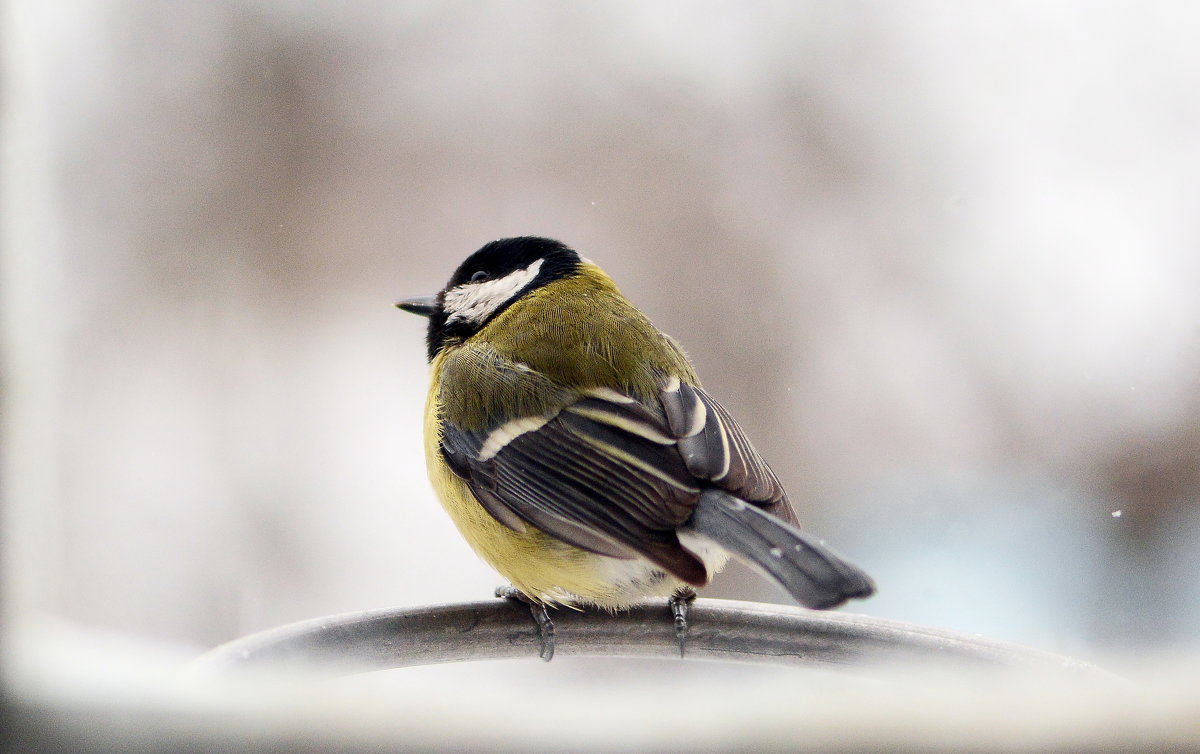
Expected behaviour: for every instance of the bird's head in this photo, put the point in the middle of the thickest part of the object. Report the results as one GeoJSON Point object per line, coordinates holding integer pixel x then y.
{"type": "Point", "coordinates": [487, 283]}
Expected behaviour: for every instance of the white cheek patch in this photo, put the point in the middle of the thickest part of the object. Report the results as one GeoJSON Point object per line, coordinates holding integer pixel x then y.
{"type": "Point", "coordinates": [475, 302]}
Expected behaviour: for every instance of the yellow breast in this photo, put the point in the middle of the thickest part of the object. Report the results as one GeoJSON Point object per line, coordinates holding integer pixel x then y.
{"type": "Point", "coordinates": [542, 567]}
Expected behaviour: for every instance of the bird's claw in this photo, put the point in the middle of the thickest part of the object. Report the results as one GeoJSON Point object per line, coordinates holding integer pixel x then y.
{"type": "Point", "coordinates": [680, 602]}
{"type": "Point", "coordinates": [540, 616]}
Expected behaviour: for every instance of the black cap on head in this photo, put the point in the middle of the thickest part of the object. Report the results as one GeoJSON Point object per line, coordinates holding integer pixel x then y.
{"type": "Point", "coordinates": [507, 255]}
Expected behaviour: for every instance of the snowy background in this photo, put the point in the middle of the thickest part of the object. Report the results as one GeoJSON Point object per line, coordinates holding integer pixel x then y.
{"type": "Point", "coordinates": [940, 260]}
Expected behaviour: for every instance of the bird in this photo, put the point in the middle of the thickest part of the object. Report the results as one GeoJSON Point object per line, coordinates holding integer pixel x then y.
{"type": "Point", "coordinates": [573, 446]}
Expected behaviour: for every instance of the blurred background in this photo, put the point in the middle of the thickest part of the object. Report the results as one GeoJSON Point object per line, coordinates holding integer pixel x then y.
{"type": "Point", "coordinates": [940, 260]}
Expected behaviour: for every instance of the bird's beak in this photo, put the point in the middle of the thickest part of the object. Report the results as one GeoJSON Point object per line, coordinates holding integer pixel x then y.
{"type": "Point", "coordinates": [423, 305]}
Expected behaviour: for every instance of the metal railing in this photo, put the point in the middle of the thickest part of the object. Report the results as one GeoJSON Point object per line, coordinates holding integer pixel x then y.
{"type": "Point", "coordinates": [718, 630]}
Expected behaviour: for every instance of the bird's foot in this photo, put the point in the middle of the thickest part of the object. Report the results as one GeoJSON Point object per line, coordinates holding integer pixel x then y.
{"type": "Point", "coordinates": [680, 601]}
{"type": "Point", "coordinates": [540, 616]}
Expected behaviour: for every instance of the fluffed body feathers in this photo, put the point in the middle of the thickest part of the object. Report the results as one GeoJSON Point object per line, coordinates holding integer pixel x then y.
{"type": "Point", "coordinates": [574, 448]}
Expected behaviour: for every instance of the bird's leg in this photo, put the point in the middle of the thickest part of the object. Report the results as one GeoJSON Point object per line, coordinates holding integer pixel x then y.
{"type": "Point", "coordinates": [680, 601]}
{"type": "Point", "coordinates": [540, 617]}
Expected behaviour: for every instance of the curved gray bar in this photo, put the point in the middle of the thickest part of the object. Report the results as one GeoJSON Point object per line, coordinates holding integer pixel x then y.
{"type": "Point", "coordinates": [719, 630]}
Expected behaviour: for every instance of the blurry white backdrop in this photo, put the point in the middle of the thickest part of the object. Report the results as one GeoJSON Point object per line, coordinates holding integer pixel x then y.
{"type": "Point", "coordinates": [940, 259]}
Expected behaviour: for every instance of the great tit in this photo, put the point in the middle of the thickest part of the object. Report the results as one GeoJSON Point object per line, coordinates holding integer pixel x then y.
{"type": "Point", "coordinates": [573, 446]}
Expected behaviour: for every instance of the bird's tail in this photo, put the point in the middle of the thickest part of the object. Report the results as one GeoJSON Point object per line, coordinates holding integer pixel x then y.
{"type": "Point", "coordinates": [808, 570]}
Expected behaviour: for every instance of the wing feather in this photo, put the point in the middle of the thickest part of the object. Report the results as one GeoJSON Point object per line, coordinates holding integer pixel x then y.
{"type": "Point", "coordinates": [718, 450]}
{"type": "Point", "coordinates": [614, 476]}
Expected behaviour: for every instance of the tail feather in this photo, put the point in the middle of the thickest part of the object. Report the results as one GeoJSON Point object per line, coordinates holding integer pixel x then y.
{"type": "Point", "coordinates": [808, 570]}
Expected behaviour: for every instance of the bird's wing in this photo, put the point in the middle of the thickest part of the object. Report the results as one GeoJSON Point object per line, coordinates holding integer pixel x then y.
{"type": "Point", "coordinates": [602, 473]}
{"type": "Point", "coordinates": [610, 475]}
{"type": "Point", "coordinates": [716, 449]}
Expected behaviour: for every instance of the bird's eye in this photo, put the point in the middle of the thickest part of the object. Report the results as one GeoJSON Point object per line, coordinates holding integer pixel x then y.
{"type": "Point", "coordinates": [480, 275]}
